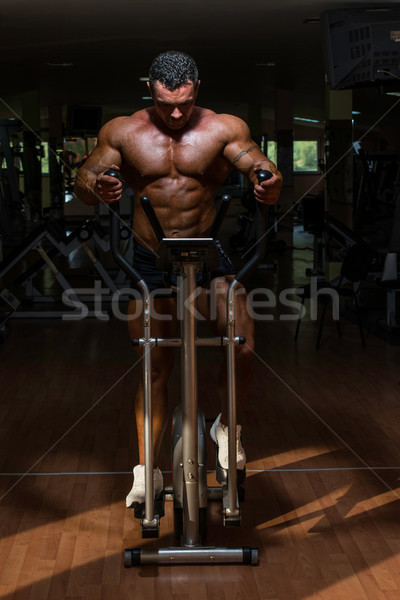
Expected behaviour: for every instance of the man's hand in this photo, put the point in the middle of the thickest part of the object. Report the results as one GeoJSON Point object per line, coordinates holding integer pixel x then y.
{"type": "Point", "coordinates": [108, 188]}
{"type": "Point", "coordinates": [268, 191]}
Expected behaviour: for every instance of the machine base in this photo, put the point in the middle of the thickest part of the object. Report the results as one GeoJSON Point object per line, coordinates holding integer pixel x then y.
{"type": "Point", "coordinates": [246, 555]}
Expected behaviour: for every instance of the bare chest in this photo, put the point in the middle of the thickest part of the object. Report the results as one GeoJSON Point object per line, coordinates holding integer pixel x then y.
{"type": "Point", "coordinates": [191, 154]}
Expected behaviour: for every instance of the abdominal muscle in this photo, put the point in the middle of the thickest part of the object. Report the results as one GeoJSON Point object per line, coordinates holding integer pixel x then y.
{"type": "Point", "coordinates": [183, 205]}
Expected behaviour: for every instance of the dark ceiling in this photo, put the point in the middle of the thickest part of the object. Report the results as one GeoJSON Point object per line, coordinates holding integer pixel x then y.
{"type": "Point", "coordinates": [106, 47]}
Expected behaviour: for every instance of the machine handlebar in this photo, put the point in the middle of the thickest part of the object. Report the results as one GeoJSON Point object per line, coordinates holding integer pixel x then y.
{"type": "Point", "coordinates": [158, 230]}
{"type": "Point", "coordinates": [152, 217]}
{"type": "Point", "coordinates": [247, 269]}
{"type": "Point", "coordinates": [261, 234]}
{"type": "Point", "coordinates": [115, 237]}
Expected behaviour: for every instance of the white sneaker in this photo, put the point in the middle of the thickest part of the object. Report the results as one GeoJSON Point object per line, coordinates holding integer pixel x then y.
{"type": "Point", "coordinates": [219, 433]}
{"type": "Point", "coordinates": [137, 495]}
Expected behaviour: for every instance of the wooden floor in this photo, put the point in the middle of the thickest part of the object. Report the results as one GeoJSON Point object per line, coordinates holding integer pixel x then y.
{"type": "Point", "coordinates": [322, 435]}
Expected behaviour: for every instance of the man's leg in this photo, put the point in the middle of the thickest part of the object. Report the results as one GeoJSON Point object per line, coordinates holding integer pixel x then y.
{"type": "Point", "coordinates": [212, 305]}
{"type": "Point", "coordinates": [163, 324]}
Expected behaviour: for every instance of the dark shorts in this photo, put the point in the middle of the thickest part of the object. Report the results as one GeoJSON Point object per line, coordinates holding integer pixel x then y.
{"type": "Point", "coordinates": [144, 262]}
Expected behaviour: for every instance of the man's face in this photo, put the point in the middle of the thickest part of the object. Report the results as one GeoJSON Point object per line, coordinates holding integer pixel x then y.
{"type": "Point", "coordinates": [174, 108]}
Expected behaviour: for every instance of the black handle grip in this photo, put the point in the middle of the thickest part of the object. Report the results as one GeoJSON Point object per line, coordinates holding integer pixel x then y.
{"type": "Point", "coordinates": [263, 175]}
{"type": "Point", "coordinates": [152, 217]}
{"type": "Point", "coordinates": [112, 173]}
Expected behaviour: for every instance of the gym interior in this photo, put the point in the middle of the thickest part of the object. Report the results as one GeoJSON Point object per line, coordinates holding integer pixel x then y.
{"type": "Point", "coordinates": [318, 84]}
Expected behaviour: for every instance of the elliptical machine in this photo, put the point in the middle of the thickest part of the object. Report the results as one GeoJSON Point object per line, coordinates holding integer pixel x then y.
{"type": "Point", "coordinates": [187, 257]}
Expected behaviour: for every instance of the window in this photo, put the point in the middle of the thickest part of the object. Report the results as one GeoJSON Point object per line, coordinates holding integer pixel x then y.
{"type": "Point", "coordinates": [45, 158]}
{"type": "Point", "coordinates": [305, 156]}
{"type": "Point", "coordinates": [272, 152]}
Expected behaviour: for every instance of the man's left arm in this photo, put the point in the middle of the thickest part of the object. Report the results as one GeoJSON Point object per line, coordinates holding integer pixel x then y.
{"type": "Point", "coordinates": [245, 155]}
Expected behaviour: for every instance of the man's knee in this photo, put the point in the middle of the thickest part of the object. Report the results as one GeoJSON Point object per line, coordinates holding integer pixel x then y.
{"type": "Point", "coordinates": [161, 365]}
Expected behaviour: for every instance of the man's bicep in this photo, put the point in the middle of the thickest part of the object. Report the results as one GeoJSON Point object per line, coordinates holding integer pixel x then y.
{"type": "Point", "coordinates": [107, 151]}
{"type": "Point", "coordinates": [102, 157]}
{"type": "Point", "coordinates": [241, 151]}
{"type": "Point", "coordinates": [241, 155]}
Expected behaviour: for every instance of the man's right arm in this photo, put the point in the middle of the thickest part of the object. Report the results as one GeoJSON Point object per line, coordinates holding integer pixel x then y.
{"type": "Point", "coordinates": [91, 185]}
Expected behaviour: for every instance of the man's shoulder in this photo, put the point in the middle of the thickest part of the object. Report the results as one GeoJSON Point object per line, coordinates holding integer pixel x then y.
{"type": "Point", "coordinates": [115, 131]}
{"type": "Point", "coordinates": [137, 119]}
{"type": "Point", "coordinates": [232, 121]}
{"type": "Point", "coordinates": [224, 120]}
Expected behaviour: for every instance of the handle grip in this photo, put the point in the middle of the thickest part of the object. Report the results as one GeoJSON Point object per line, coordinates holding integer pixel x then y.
{"type": "Point", "coordinates": [112, 173]}
{"type": "Point", "coordinates": [263, 175]}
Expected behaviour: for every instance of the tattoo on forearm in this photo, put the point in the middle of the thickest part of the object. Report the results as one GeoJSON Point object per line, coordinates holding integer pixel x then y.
{"type": "Point", "coordinates": [243, 152]}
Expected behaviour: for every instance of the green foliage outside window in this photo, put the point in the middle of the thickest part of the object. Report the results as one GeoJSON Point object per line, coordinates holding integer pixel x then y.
{"type": "Point", "coordinates": [272, 152]}
{"type": "Point", "coordinates": [45, 158]}
{"type": "Point", "coordinates": [305, 156]}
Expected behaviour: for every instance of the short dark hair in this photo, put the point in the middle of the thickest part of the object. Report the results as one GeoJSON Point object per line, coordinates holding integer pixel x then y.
{"type": "Point", "coordinates": [173, 69]}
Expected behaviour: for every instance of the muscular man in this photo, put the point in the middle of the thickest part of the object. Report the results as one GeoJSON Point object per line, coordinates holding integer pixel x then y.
{"type": "Point", "coordinates": [178, 155]}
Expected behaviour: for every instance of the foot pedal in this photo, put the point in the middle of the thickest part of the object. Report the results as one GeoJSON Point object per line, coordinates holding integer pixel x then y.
{"type": "Point", "coordinates": [229, 519]}
{"type": "Point", "coordinates": [151, 530]}
{"type": "Point", "coordinates": [222, 475]}
{"type": "Point", "coordinates": [232, 521]}
{"type": "Point", "coordinates": [159, 511]}
{"type": "Point", "coordinates": [159, 504]}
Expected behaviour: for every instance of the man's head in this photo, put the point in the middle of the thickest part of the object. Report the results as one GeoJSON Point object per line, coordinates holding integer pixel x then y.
{"type": "Point", "coordinates": [173, 84]}
{"type": "Point", "coordinates": [173, 69]}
